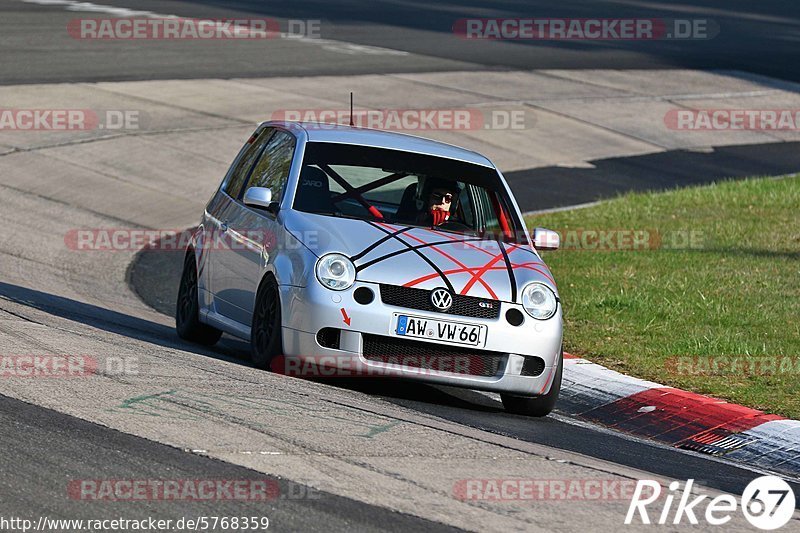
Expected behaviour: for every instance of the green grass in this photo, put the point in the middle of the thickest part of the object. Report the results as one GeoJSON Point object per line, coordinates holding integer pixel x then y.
{"type": "Point", "coordinates": [734, 292]}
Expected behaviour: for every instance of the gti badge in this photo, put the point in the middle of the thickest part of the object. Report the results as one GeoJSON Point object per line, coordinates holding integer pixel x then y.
{"type": "Point", "coordinates": [441, 299]}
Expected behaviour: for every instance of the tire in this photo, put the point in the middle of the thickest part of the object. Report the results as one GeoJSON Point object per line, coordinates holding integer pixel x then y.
{"type": "Point", "coordinates": [265, 331]}
{"type": "Point", "coordinates": [538, 405]}
{"type": "Point", "coordinates": [187, 308]}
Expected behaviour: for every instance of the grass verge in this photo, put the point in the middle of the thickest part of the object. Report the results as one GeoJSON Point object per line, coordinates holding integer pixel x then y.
{"type": "Point", "coordinates": [705, 297]}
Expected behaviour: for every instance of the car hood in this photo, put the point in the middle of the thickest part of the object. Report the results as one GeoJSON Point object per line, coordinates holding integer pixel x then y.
{"type": "Point", "coordinates": [424, 258]}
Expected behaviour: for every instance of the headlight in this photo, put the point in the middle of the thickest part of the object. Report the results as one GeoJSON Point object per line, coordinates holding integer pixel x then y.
{"type": "Point", "coordinates": [336, 272]}
{"type": "Point", "coordinates": [539, 301]}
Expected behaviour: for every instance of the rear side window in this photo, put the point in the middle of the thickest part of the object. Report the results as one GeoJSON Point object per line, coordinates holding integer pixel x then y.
{"type": "Point", "coordinates": [233, 187]}
{"type": "Point", "coordinates": [272, 169]}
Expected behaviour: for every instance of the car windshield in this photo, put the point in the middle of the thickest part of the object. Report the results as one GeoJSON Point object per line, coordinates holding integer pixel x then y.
{"type": "Point", "coordinates": [406, 188]}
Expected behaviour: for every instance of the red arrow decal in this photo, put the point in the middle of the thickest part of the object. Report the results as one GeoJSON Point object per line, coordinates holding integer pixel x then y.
{"type": "Point", "coordinates": [346, 318]}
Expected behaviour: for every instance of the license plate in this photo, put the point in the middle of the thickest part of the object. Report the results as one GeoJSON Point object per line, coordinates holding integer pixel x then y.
{"type": "Point", "coordinates": [442, 330]}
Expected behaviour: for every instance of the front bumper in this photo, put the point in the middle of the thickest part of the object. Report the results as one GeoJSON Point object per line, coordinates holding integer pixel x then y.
{"type": "Point", "coordinates": [306, 310]}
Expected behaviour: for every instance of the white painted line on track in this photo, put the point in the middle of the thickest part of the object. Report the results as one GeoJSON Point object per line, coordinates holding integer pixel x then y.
{"type": "Point", "coordinates": [330, 45]}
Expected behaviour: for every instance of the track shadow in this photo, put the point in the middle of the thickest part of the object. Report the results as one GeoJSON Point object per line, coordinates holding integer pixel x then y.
{"type": "Point", "coordinates": [154, 275]}
{"type": "Point", "coordinates": [229, 349]}
{"type": "Point", "coordinates": [398, 390]}
{"type": "Point", "coordinates": [548, 187]}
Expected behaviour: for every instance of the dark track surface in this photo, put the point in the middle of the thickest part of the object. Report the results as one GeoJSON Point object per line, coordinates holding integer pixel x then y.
{"type": "Point", "coordinates": [50, 449]}
{"type": "Point", "coordinates": [759, 37]}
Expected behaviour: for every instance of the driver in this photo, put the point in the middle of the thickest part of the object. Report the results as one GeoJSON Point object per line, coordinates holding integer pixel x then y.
{"type": "Point", "coordinates": [438, 206]}
{"type": "Point", "coordinates": [439, 202]}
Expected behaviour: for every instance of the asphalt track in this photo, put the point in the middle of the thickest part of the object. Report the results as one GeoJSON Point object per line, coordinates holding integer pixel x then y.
{"type": "Point", "coordinates": [39, 443]}
{"type": "Point", "coordinates": [56, 302]}
{"type": "Point", "coordinates": [757, 37]}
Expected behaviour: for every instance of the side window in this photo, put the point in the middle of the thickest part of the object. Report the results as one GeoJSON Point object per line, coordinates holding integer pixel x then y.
{"type": "Point", "coordinates": [491, 222]}
{"type": "Point", "coordinates": [240, 174]}
{"type": "Point", "coordinates": [467, 206]}
{"type": "Point", "coordinates": [272, 169]}
{"type": "Point", "coordinates": [499, 221]}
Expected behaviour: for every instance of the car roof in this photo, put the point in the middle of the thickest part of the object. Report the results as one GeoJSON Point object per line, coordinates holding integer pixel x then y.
{"type": "Point", "coordinates": [338, 133]}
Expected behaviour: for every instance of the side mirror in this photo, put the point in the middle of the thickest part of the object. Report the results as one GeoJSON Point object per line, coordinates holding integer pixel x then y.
{"type": "Point", "coordinates": [545, 239]}
{"type": "Point", "coordinates": [260, 197]}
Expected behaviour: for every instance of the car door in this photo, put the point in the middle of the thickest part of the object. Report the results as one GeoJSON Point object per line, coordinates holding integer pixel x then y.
{"type": "Point", "coordinates": [216, 237]}
{"type": "Point", "coordinates": [253, 232]}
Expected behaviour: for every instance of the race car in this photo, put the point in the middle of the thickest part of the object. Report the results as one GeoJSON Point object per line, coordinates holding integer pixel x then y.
{"type": "Point", "coordinates": [378, 254]}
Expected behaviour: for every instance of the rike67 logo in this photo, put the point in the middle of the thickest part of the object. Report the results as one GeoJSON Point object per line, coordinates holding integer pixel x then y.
{"type": "Point", "coordinates": [767, 503]}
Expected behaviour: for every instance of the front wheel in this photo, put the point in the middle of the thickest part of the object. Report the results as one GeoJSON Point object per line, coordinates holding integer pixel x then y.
{"type": "Point", "coordinates": [265, 332]}
{"type": "Point", "coordinates": [538, 405]}
{"type": "Point", "coordinates": [187, 321]}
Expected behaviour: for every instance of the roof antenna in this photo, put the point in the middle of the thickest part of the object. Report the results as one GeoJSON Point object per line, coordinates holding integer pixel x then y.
{"type": "Point", "coordinates": [351, 108]}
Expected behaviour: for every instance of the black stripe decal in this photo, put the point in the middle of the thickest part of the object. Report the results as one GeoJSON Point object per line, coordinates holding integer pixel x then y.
{"type": "Point", "coordinates": [420, 254]}
{"type": "Point", "coordinates": [524, 249]}
{"type": "Point", "coordinates": [511, 279]}
{"type": "Point", "coordinates": [411, 248]}
{"type": "Point", "coordinates": [377, 243]}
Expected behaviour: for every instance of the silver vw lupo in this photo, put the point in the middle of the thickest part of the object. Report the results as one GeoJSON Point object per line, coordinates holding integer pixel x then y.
{"type": "Point", "coordinates": [347, 251]}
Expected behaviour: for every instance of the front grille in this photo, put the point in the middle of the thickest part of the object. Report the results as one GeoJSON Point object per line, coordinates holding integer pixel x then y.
{"type": "Point", "coordinates": [421, 299]}
{"type": "Point", "coordinates": [431, 356]}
